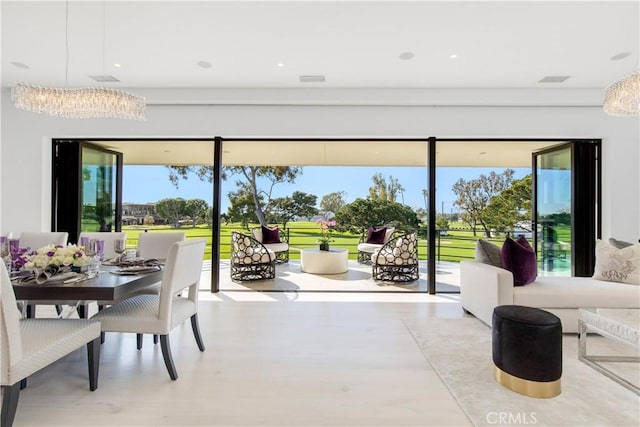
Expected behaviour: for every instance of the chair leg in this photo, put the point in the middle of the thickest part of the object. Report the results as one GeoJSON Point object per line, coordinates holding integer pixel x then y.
{"type": "Point", "coordinates": [10, 396]}
{"type": "Point", "coordinates": [166, 355]}
{"type": "Point", "coordinates": [102, 335]}
{"type": "Point", "coordinates": [93, 359]}
{"type": "Point", "coordinates": [155, 339]}
{"type": "Point", "coordinates": [139, 341]}
{"type": "Point", "coordinates": [31, 311]}
{"type": "Point", "coordinates": [196, 331]}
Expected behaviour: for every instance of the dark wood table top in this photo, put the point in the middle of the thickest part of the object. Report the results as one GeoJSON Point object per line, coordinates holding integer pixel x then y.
{"type": "Point", "coordinates": [104, 287]}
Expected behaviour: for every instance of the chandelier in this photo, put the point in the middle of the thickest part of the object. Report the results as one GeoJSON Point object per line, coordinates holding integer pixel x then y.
{"type": "Point", "coordinates": [79, 103]}
{"type": "Point", "coordinates": [622, 98]}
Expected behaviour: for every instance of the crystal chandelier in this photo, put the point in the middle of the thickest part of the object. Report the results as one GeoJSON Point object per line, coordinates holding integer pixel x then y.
{"type": "Point", "coordinates": [622, 98]}
{"type": "Point", "coordinates": [79, 103]}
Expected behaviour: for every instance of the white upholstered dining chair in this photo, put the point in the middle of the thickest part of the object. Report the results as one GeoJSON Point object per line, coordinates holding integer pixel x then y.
{"type": "Point", "coordinates": [157, 245]}
{"type": "Point", "coordinates": [159, 314]}
{"type": "Point", "coordinates": [29, 345]}
{"type": "Point", "coordinates": [37, 239]}
{"type": "Point", "coordinates": [108, 237]}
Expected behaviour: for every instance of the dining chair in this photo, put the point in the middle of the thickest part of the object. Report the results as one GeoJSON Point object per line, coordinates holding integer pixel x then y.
{"type": "Point", "coordinates": [108, 238]}
{"type": "Point", "coordinates": [159, 314]}
{"type": "Point", "coordinates": [157, 245]}
{"type": "Point", "coordinates": [37, 239]}
{"type": "Point", "coordinates": [29, 345]}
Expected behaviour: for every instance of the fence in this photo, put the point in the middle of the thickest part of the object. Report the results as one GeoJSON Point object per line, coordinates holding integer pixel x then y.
{"type": "Point", "coordinates": [452, 245]}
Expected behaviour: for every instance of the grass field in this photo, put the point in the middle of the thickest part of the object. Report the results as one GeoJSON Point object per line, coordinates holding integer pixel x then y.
{"type": "Point", "coordinates": [457, 245]}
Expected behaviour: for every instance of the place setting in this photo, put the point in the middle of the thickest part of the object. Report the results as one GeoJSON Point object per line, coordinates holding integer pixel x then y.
{"type": "Point", "coordinates": [129, 263]}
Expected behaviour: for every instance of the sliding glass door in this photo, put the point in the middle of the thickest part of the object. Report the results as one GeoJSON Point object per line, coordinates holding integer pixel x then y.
{"type": "Point", "coordinates": [566, 204]}
{"type": "Point", "coordinates": [86, 188]}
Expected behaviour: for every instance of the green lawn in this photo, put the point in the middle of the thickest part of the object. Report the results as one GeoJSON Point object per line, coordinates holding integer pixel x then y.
{"type": "Point", "coordinates": [457, 245]}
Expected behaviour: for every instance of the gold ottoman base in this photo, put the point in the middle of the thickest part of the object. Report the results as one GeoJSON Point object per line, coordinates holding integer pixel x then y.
{"type": "Point", "coordinates": [527, 387]}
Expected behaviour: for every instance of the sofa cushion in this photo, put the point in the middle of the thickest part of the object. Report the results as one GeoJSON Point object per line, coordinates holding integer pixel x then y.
{"type": "Point", "coordinates": [488, 253]}
{"type": "Point", "coordinates": [270, 235]}
{"type": "Point", "coordinates": [617, 265]}
{"type": "Point", "coordinates": [519, 258]}
{"type": "Point", "coordinates": [376, 235]}
{"type": "Point", "coordinates": [576, 292]}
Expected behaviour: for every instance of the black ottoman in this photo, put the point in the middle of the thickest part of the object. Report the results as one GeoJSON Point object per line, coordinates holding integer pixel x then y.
{"type": "Point", "coordinates": [527, 350]}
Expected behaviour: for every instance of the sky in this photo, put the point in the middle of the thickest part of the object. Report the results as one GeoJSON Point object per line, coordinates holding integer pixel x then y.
{"type": "Point", "coordinates": [147, 184]}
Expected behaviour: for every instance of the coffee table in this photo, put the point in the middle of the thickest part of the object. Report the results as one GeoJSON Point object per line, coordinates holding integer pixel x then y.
{"type": "Point", "coordinates": [619, 324]}
{"type": "Point", "coordinates": [315, 261]}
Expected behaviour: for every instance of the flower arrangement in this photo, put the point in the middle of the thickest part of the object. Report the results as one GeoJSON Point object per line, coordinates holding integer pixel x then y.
{"type": "Point", "coordinates": [67, 256]}
{"type": "Point", "coordinates": [325, 230]}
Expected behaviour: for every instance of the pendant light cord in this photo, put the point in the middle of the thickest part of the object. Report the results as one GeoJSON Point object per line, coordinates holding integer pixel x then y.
{"type": "Point", "coordinates": [66, 45]}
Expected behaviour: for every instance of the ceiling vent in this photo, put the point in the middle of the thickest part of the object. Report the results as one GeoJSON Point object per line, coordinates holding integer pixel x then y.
{"type": "Point", "coordinates": [104, 78]}
{"type": "Point", "coordinates": [312, 79]}
{"type": "Point", "coordinates": [553, 79]}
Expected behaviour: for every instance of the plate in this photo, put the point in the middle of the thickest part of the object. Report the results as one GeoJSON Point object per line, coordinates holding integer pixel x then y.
{"type": "Point", "coordinates": [136, 269]}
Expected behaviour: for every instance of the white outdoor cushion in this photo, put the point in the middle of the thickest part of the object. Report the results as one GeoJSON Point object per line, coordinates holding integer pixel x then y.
{"type": "Point", "coordinates": [277, 247]}
{"type": "Point", "coordinates": [369, 247]}
{"type": "Point", "coordinates": [389, 234]}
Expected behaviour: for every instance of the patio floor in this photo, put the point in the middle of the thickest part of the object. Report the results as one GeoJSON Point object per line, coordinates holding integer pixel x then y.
{"type": "Point", "coordinates": [289, 278]}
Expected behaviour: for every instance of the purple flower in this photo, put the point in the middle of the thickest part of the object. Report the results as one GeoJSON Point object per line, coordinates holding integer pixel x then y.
{"type": "Point", "coordinates": [78, 255]}
{"type": "Point", "coordinates": [51, 253]}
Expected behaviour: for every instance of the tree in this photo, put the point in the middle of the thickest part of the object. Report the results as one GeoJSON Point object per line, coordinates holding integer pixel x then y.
{"type": "Point", "coordinates": [442, 222]}
{"type": "Point", "coordinates": [332, 203]}
{"type": "Point", "coordinates": [196, 209]}
{"type": "Point", "coordinates": [285, 209]}
{"type": "Point", "coordinates": [251, 174]}
{"type": "Point", "coordinates": [511, 207]}
{"type": "Point", "coordinates": [362, 213]}
{"type": "Point", "coordinates": [242, 208]}
{"type": "Point", "coordinates": [172, 210]}
{"type": "Point", "coordinates": [474, 196]}
{"type": "Point", "coordinates": [148, 220]}
{"type": "Point", "coordinates": [383, 190]}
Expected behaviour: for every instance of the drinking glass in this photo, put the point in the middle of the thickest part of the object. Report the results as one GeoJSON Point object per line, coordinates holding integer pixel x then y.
{"type": "Point", "coordinates": [93, 268]}
{"type": "Point", "coordinates": [119, 246]}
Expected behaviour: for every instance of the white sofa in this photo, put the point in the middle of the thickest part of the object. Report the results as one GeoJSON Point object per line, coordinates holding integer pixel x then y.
{"type": "Point", "coordinates": [484, 287]}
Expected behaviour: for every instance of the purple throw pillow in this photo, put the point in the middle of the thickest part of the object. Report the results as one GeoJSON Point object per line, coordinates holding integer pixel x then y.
{"type": "Point", "coordinates": [376, 235]}
{"type": "Point", "coordinates": [270, 235]}
{"type": "Point", "coordinates": [519, 258]}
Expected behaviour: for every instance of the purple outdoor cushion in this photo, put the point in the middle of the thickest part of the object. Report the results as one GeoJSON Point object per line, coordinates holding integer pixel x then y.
{"type": "Point", "coordinates": [519, 258]}
{"type": "Point", "coordinates": [270, 235]}
{"type": "Point", "coordinates": [376, 235]}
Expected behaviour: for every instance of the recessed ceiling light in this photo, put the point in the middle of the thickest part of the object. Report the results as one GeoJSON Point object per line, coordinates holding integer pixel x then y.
{"type": "Point", "coordinates": [620, 56]}
{"type": "Point", "coordinates": [204, 64]}
{"type": "Point", "coordinates": [406, 56]}
{"type": "Point", "coordinates": [280, 64]}
{"type": "Point", "coordinates": [312, 79]}
{"type": "Point", "coordinates": [20, 65]}
{"type": "Point", "coordinates": [117, 65]}
{"type": "Point", "coordinates": [553, 79]}
{"type": "Point", "coordinates": [453, 56]}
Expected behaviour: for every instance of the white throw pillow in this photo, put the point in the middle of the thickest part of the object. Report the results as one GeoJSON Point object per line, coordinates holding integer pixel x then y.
{"type": "Point", "coordinates": [257, 234]}
{"type": "Point", "coordinates": [617, 265]}
{"type": "Point", "coordinates": [389, 233]}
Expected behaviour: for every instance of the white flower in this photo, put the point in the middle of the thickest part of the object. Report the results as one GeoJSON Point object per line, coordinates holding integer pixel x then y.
{"type": "Point", "coordinates": [70, 255]}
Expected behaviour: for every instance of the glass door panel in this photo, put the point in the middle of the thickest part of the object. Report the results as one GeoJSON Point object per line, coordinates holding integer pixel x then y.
{"type": "Point", "coordinates": [554, 216]}
{"type": "Point", "coordinates": [98, 198]}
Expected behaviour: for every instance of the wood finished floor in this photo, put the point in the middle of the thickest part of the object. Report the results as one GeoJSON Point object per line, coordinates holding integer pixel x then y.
{"type": "Point", "coordinates": [272, 359]}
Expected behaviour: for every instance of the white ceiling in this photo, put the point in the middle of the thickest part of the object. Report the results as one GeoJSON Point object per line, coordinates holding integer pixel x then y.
{"type": "Point", "coordinates": [501, 44]}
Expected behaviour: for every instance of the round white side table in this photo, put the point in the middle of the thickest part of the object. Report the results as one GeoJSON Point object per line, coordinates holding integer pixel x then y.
{"type": "Point", "coordinates": [315, 261]}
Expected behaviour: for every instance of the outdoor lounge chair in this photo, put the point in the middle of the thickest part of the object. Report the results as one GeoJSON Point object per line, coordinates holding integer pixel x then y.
{"type": "Point", "coordinates": [250, 259]}
{"type": "Point", "coordinates": [372, 240]}
{"type": "Point", "coordinates": [397, 260]}
{"type": "Point", "coordinates": [274, 239]}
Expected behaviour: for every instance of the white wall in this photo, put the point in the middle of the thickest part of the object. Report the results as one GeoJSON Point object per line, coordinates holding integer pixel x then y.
{"type": "Point", "coordinates": [26, 139]}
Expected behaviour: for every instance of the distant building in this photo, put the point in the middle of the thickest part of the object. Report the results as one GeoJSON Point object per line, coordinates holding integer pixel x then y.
{"type": "Point", "coordinates": [135, 213]}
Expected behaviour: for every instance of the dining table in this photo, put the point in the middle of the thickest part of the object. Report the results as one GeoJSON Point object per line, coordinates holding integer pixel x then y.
{"type": "Point", "coordinates": [106, 287]}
